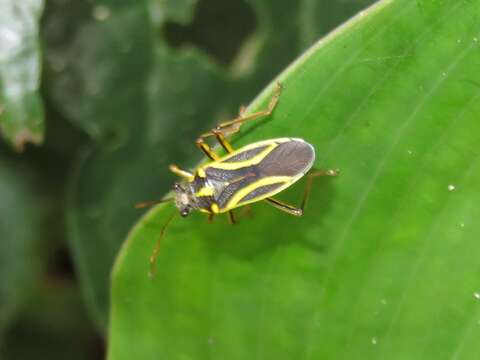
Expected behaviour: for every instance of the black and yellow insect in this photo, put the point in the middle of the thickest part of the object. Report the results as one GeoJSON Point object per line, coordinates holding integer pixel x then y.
{"type": "Point", "coordinates": [253, 173]}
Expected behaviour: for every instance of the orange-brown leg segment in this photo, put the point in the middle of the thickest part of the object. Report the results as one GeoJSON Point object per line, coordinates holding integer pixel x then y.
{"type": "Point", "coordinates": [241, 110]}
{"type": "Point", "coordinates": [206, 149]}
{"type": "Point", "coordinates": [222, 141]}
{"type": "Point", "coordinates": [232, 126]}
{"type": "Point", "coordinates": [298, 211]}
{"type": "Point", "coordinates": [231, 218]}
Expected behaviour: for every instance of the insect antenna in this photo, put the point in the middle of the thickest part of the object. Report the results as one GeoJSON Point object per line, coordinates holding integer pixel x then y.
{"type": "Point", "coordinates": [150, 203]}
{"type": "Point", "coordinates": [156, 249]}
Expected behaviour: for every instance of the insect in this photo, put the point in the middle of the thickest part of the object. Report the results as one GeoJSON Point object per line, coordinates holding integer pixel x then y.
{"type": "Point", "coordinates": [255, 172]}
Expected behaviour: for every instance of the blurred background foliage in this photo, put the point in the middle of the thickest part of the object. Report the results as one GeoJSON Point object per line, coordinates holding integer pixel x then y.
{"type": "Point", "coordinates": [111, 91]}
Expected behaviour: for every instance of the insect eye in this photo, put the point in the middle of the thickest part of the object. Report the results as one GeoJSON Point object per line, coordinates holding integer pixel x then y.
{"type": "Point", "coordinates": [184, 213]}
{"type": "Point", "coordinates": [176, 186]}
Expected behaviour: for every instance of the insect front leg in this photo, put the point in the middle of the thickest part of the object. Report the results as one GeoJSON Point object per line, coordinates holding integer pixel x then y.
{"type": "Point", "coordinates": [232, 126]}
{"type": "Point", "coordinates": [221, 140]}
{"type": "Point", "coordinates": [298, 211]}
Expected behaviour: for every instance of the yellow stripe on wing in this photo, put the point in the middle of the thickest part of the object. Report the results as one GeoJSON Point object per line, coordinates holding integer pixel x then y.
{"type": "Point", "coordinates": [240, 194]}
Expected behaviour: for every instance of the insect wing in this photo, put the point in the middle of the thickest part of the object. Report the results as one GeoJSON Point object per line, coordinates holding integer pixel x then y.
{"type": "Point", "coordinates": [258, 171]}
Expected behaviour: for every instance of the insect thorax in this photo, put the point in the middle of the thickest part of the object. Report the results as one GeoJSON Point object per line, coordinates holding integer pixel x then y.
{"type": "Point", "coordinates": [193, 195]}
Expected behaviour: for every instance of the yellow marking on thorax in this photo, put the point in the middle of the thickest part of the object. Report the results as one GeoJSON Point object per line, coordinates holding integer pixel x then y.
{"type": "Point", "coordinates": [214, 208]}
{"type": "Point", "coordinates": [204, 191]}
{"type": "Point", "coordinates": [201, 172]}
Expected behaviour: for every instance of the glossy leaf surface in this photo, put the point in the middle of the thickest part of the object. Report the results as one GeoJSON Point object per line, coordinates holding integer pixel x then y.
{"type": "Point", "coordinates": [384, 265]}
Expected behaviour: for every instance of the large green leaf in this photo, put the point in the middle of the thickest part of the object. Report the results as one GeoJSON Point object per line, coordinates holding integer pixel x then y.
{"type": "Point", "coordinates": [112, 73]}
{"type": "Point", "coordinates": [21, 109]}
{"type": "Point", "coordinates": [385, 262]}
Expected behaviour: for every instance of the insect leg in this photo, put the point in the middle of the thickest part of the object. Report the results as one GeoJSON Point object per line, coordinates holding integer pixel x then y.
{"type": "Point", "coordinates": [292, 210]}
{"type": "Point", "coordinates": [308, 185]}
{"type": "Point", "coordinates": [247, 210]}
{"type": "Point", "coordinates": [241, 110]}
{"type": "Point", "coordinates": [222, 141]}
{"type": "Point", "coordinates": [206, 149]}
{"type": "Point", "coordinates": [180, 172]}
{"type": "Point", "coordinates": [231, 217]}
{"type": "Point", "coordinates": [232, 126]}
{"type": "Point", "coordinates": [210, 217]}
{"type": "Point", "coordinates": [156, 249]}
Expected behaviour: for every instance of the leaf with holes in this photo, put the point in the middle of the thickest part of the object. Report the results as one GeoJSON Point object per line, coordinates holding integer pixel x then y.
{"type": "Point", "coordinates": [21, 109]}
{"type": "Point", "coordinates": [384, 264]}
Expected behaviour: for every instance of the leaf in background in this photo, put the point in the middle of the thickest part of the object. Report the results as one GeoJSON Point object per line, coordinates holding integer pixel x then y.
{"type": "Point", "coordinates": [91, 74]}
{"type": "Point", "coordinates": [384, 265]}
{"type": "Point", "coordinates": [144, 103]}
{"type": "Point", "coordinates": [21, 109]}
{"type": "Point", "coordinates": [132, 112]}
{"type": "Point", "coordinates": [18, 230]}
{"type": "Point", "coordinates": [180, 11]}
{"type": "Point", "coordinates": [109, 182]}
{"type": "Point", "coordinates": [52, 326]}
{"type": "Point", "coordinates": [320, 16]}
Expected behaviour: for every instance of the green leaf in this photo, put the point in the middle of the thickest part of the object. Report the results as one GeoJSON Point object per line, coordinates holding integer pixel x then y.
{"type": "Point", "coordinates": [18, 230]}
{"type": "Point", "coordinates": [385, 262]}
{"type": "Point", "coordinates": [97, 58]}
{"type": "Point", "coordinates": [144, 103]}
{"type": "Point", "coordinates": [21, 108]}
{"type": "Point", "coordinates": [180, 11]}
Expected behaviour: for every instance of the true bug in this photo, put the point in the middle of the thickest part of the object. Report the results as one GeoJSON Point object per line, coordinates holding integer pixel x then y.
{"type": "Point", "coordinates": [252, 173]}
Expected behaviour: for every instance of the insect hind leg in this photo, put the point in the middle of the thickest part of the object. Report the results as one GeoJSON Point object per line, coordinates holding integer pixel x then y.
{"type": "Point", "coordinates": [233, 126]}
{"type": "Point", "coordinates": [299, 211]}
